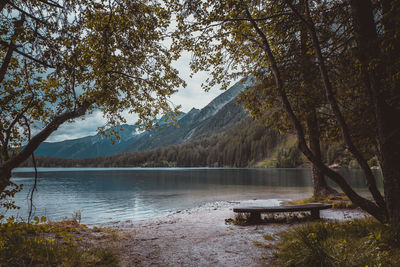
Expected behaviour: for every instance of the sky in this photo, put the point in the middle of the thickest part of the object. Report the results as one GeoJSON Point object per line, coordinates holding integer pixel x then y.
{"type": "Point", "coordinates": [190, 97]}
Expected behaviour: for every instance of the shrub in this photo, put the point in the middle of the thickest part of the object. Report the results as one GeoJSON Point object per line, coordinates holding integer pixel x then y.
{"type": "Point", "coordinates": [359, 242]}
{"type": "Point", "coordinates": [337, 201]}
{"type": "Point", "coordinates": [42, 243]}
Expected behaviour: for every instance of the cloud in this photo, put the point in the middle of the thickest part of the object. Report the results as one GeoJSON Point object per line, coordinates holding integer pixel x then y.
{"type": "Point", "coordinates": [193, 96]}
{"type": "Point", "coordinates": [81, 127]}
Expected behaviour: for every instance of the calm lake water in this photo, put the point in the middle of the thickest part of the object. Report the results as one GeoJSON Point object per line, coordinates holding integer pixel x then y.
{"type": "Point", "coordinates": [111, 194]}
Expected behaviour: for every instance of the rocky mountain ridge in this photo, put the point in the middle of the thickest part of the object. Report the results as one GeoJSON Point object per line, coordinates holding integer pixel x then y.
{"type": "Point", "coordinates": [220, 114]}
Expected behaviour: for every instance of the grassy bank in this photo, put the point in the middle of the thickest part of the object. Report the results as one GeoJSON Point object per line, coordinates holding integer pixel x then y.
{"type": "Point", "coordinates": [358, 242]}
{"type": "Point", "coordinates": [337, 201]}
{"type": "Point", "coordinates": [42, 243]}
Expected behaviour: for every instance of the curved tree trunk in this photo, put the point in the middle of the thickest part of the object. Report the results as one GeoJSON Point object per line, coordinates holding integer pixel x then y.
{"type": "Point", "coordinates": [7, 166]}
{"type": "Point", "coordinates": [372, 208]}
{"type": "Point", "coordinates": [320, 187]}
{"type": "Point", "coordinates": [369, 176]}
{"type": "Point", "coordinates": [5, 176]}
{"type": "Point", "coordinates": [385, 95]}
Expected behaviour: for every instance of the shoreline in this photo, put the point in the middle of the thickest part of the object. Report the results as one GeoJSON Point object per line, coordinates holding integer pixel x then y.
{"type": "Point", "coordinates": [31, 168]}
{"type": "Point", "coordinates": [201, 237]}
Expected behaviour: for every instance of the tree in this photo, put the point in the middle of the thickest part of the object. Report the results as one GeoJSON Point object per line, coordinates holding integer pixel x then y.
{"type": "Point", "coordinates": [63, 60]}
{"type": "Point", "coordinates": [268, 107]}
{"type": "Point", "coordinates": [246, 35]}
{"type": "Point", "coordinates": [378, 54]}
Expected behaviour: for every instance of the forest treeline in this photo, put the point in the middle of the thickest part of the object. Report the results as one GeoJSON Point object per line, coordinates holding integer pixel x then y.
{"type": "Point", "coordinates": [247, 144]}
{"type": "Point", "coordinates": [239, 146]}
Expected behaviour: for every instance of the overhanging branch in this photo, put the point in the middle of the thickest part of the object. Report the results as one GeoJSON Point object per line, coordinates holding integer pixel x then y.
{"type": "Point", "coordinates": [34, 143]}
{"type": "Point", "coordinates": [364, 203]}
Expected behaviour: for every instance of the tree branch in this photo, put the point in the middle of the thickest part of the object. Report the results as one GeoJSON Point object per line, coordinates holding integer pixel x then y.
{"type": "Point", "coordinates": [8, 130]}
{"type": "Point", "coordinates": [6, 61]}
{"type": "Point", "coordinates": [3, 43]}
{"type": "Point", "coordinates": [50, 3]}
{"type": "Point", "coordinates": [2, 5]}
{"type": "Point", "coordinates": [367, 205]}
{"type": "Point", "coordinates": [34, 143]}
{"type": "Point", "coordinates": [25, 13]}
{"type": "Point", "coordinates": [11, 48]}
{"type": "Point", "coordinates": [260, 19]}
{"type": "Point", "coordinates": [369, 176]}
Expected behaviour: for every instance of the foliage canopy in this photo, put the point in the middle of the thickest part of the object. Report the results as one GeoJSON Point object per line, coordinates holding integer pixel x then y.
{"type": "Point", "coordinates": [60, 61]}
{"type": "Point", "coordinates": [340, 58]}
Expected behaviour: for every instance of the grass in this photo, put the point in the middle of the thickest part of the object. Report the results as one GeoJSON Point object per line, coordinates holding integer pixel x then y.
{"type": "Point", "coordinates": [264, 245]}
{"type": "Point", "coordinates": [269, 237]}
{"type": "Point", "coordinates": [337, 201]}
{"type": "Point", "coordinates": [112, 234]}
{"type": "Point", "coordinates": [358, 242]}
{"type": "Point", "coordinates": [43, 243]}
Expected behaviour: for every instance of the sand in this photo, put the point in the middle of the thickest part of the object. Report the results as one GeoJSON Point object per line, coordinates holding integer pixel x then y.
{"type": "Point", "coordinates": [201, 237]}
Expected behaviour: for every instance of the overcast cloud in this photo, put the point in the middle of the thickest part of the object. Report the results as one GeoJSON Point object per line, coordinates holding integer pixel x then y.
{"type": "Point", "coordinates": [190, 97]}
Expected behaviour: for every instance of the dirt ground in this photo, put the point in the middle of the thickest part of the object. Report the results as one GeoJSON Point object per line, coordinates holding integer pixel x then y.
{"type": "Point", "coordinates": [201, 237]}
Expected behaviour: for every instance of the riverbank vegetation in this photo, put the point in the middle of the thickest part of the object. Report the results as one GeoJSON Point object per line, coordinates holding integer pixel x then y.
{"type": "Point", "coordinates": [358, 242]}
{"type": "Point", "coordinates": [43, 243]}
{"type": "Point", "coordinates": [338, 201]}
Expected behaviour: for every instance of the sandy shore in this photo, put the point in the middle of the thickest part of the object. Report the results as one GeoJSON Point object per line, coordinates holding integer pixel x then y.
{"type": "Point", "coordinates": [200, 237]}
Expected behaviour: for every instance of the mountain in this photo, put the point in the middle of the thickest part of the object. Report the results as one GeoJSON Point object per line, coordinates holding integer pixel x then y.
{"type": "Point", "coordinates": [90, 146]}
{"type": "Point", "coordinates": [220, 114]}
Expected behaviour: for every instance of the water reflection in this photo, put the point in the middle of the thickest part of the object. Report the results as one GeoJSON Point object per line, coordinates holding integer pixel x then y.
{"type": "Point", "coordinates": [119, 194]}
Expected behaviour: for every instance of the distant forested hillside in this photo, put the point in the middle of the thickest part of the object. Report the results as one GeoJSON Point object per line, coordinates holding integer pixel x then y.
{"type": "Point", "coordinates": [247, 144]}
{"type": "Point", "coordinates": [240, 146]}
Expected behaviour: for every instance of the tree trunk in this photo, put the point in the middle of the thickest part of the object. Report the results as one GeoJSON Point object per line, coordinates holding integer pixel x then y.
{"type": "Point", "coordinates": [372, 208]}
{"type": "Point", "coordinates": [5, 176]}
{"type": "Point", "coordinates": [2, 5]}
{"type": "Point", "coordinates": [388, 122]}
{"type": "Point", "coordinates": [6, 62]}
{"type": "Point", "coordinates": [385, 95]}
{"type": "Point", "coordinates": [11, 47]}
{"type": "Point", "coordinates": [7, 166]}
{"type": "Point", "coordinates": [369, 176]}
{"type": "Point", "coordinates": [320, 187]}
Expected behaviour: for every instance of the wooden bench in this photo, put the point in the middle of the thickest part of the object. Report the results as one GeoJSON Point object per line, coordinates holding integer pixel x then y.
{"type": "Point", "coordinates": [255, 211]}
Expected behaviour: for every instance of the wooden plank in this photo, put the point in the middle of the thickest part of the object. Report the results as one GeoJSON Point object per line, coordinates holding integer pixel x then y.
{"type": "Point", "coordinates": [294, 208]}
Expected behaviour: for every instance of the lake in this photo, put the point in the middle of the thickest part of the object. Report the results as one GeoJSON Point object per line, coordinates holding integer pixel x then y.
{"type": "Point", "coordinates": [117, 194]}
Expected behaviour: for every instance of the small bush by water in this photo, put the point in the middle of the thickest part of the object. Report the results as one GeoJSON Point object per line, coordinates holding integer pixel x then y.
{"type": "Point", "coordinates": [359, 242]}
{"type": "Point", "coordinates": [337, 201]}
{"type": "Point", "coordinates": [43, 243]}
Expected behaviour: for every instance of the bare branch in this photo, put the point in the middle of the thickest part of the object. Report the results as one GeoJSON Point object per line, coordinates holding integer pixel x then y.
{"type": "Point", "coordinates": [50, 3]}
{"type": "Point", "coordinates": [25, 13]}
{"type": "Point", "coordinates": [6, 61]}
{"type": "Point", "coordinates": [11, 48]}
{"type": "Point", "coordinates": [3, 43]}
